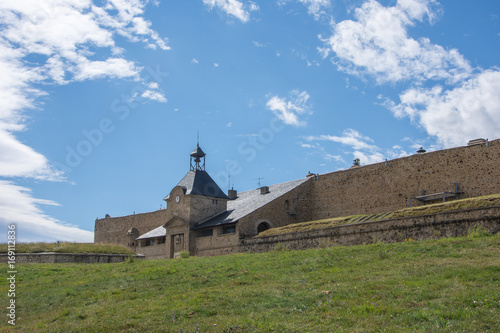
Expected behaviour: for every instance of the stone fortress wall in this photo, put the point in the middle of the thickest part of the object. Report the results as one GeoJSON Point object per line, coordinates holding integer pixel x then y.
{"type": "Point", "coordinates": [388, 186]}
{"type": "Point", "coordinates": [114, 229]}
{"type": "Point", "coordinates": [375, 188]}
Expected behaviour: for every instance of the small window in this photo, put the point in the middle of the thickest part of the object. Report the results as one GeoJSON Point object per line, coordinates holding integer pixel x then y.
{"type": "Point", "coordinates": [161, 240]}
{"type": "Point", "coordinates": [229, 229]}
{"type": "Point", "coordinates": [149, 242]}
{"type": "Point", "coordinates": [206, 233]}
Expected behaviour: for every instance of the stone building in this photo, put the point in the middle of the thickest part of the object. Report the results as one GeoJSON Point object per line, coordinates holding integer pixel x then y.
{"type": "Point", "coordinates": [203, 220]}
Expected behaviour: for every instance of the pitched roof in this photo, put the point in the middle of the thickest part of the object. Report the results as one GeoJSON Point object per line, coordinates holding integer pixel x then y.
{"type": "Point", "coordinates": [249, 201]}
{"type": "Point", "coordinates": [199, 182]}
{"type": "Point", "coordinates": [158, 232]}
{"type": "Point", "coordinates": [197, 152]}
{"type": "Point", "coordinates": [246, 203]}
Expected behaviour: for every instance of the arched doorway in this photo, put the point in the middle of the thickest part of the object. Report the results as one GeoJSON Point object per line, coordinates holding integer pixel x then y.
{"type": "Point", "coordinates": [263, 226]}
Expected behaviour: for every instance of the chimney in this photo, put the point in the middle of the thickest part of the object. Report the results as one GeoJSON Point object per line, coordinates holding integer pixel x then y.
{"type": "Point", "coordinates": [264, 190]}
{"type": "Point", "coordinates": [232, 194]}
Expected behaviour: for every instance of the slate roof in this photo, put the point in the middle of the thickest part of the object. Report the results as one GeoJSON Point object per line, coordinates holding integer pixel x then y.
{"type": "Point", "coordinates": [197, 152]}
{"type": "Point", "coordinates": [199, 182]}
{"type": "Point", "coordinates": [158, 232]}
{"type": "Point", "coordinates": [248, 202]}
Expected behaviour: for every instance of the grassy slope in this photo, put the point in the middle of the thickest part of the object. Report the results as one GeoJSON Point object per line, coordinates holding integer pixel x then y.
{"type": "Point", "coordinates": [66, 247]}
{"type": "Point", "coordinates": [448, 284]}
{"type": "Point", "coordinates": [478, 202]}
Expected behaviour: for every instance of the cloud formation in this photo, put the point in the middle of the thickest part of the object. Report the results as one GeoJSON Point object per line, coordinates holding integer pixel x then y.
{"type": "Point", "coordinates": [468, 111]}
{"type": "Point", "coordinates": [233, 8]}
{"type": "Point", "coordinates": [54, 42]}
{"type": "Point", "coordinates": [290, 110]}
{"type": "Point", "coordinates": [363, 147]}
{"type": "Point", "coordinates": [462, 105]}
{"type": "Point", "coordinates": [19, 207]}
{"type": "Point", "coordinates": [377, 44]}
{"type": "Point", "coordinates": [316, 8]}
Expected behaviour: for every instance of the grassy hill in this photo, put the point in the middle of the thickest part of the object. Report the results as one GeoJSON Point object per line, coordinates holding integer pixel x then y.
{"type": "Point", "coordinates": [450, 285]}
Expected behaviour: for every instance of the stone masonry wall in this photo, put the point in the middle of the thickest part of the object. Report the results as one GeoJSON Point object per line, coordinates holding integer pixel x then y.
{"type": "Point", "coordinates": [388, 186]}
{"type": "Point", "coordinates": [114, 229]}
{"type": "Point", "coordinates": [275, 212]}
{"type": "Point", "coordinates": [449, 224]}
{"type": "Point", "coordinates": [218, 244]}
{"type": "Point", "coordinates": [157, 251]}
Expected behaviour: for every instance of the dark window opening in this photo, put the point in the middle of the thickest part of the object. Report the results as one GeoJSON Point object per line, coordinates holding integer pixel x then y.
{"type": "Point", "coordinates": [263, 227]}
{"type": "Point", "coordinates": [229, 229]}
{"type": "Point", "coordinates": [206, 233]}
{"type": "Point", "coordinates": [162, 240]}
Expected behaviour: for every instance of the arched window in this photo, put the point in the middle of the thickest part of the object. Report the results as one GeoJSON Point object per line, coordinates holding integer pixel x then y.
{"type": "Point", "coordinates": [263, 226]}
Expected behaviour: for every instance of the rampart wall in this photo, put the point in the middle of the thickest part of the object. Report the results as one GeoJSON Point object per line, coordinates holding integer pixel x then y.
{"type": "Point", "coordinates": [384, 187]}
{"type": "Point", "coordinates": [114, 229]}
{"type": "Point", "coordinates": [449, 224]}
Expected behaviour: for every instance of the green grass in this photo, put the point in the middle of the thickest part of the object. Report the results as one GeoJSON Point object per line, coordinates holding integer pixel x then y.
{"type": "Point", "coordinates": [478, 202]}
{"type": "Point", "coordinates": [446, 285]}
{"type": "Point", "coordinates": [66, 247]}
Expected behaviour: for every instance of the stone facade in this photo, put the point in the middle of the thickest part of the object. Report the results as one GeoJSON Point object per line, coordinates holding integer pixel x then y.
{"type": "Point", "coordinates": [206, 224]}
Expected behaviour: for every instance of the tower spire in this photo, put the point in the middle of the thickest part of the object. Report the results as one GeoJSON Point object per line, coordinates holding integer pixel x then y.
{"type": "Point", "coordinates": [197, 157]}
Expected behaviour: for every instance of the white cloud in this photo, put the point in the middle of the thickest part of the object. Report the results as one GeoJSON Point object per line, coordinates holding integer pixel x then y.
{"type": "Point", "coordinates": [349, 137]}
{"type": "Point", "coordinates": [19, 160]}
{"type": "Point", "coordinates": [457, 115]}
{"type": "Point", "coordinates": [258, 44]}
{"type": "Point", "coordinates": [19, 207]}
{"type": "Point", "coordinates": [195, 61]}
{"type": "Point", "coordinates": [314, 7]}
{"type": "Point", "coordinates": [216, 65]}
{"type": "Point", "coordinates": [378, 44]}
{"type": "Point", "coordinates": [65, 41]}
{"type": "Point", "coordinates": [154, 96]}
{"type": "Point", "coordinates": [363, 147]}
{"type": "Point", "coordinates": [289, 110]}
{"type": "Point", "coordinates": [234, 8]}
{"type": "Point", "coordinates": [229, 124]}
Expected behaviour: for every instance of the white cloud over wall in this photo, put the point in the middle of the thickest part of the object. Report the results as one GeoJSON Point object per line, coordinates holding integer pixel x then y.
{"type": "Point", "coordinates": [462, 105]}
{"type": "Point", "coordinates": [361, 146]}
{"type": "Point", "coordinates": [67, 41]}
{"type": "Point", "coordinates": [457, 115]}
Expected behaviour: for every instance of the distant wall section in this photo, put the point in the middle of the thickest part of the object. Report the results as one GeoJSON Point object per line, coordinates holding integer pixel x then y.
{"type": "Point", "coordinates": [388, 186]}
{"type": "Point", "coordinates": [114, 229]}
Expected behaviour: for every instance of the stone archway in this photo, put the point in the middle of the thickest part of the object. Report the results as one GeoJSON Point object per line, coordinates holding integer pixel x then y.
{"type": "Point", "coordinates": [263, 226]}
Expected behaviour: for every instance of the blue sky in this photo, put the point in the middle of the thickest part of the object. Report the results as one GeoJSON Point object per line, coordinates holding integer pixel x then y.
{"type": "Point", "coordinates": [102, 101]}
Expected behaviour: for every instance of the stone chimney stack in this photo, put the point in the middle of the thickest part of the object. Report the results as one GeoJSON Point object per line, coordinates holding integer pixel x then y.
{"type": "Point", "coordinates": [232, 194]}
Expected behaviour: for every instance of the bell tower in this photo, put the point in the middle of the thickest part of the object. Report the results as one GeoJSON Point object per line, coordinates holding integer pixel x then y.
{"type": "Point", "coordinates": [197, 159]}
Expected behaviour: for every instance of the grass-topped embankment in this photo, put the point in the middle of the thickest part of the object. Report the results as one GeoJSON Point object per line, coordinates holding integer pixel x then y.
{"type": "Point", "coordinates": [446, 285]}
{"type": "Point", "coordinates": [67, 247]}
{"type": "Point", "coordinates": [478, 202]}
